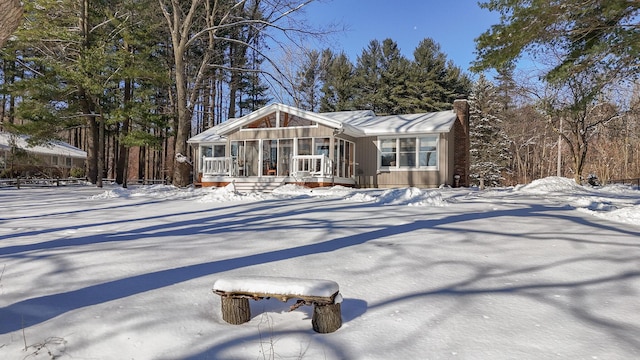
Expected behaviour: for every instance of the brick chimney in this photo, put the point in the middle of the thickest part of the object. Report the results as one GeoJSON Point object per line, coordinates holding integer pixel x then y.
{"type": "Point", "coordinates": [461, 143]}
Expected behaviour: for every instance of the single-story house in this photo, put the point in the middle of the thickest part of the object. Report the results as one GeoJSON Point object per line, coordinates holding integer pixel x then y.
{"type": "Point", "coordinates": [280, 144]}
{"type": "Point", "coordinates": [55, 158]}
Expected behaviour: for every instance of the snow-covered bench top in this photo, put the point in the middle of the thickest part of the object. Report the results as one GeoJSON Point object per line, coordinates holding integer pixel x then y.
{"type": "Point", "coordinates": [282, 288]}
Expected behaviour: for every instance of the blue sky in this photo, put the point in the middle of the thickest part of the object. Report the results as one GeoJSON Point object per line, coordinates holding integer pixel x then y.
{"type": "Point", "coordinates": [454, 24]}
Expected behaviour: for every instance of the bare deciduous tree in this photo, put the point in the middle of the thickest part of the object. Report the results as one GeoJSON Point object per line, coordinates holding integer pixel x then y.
{"type": "Point", "coordinates": [201, 24]}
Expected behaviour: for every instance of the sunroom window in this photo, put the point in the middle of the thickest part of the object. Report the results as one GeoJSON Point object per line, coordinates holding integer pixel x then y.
{"type": "Point", "coordinates": [213, 150]}
{"type": "Point", "coordinates": [409, 152]}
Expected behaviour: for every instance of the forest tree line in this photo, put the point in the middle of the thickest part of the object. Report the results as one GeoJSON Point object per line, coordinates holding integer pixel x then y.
{"type": "Point", "coordinates": [131, 81]}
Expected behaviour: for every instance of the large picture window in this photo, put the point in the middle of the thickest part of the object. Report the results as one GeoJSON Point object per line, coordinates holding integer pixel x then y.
{"type": "Point", "coordinates": [409, 152]}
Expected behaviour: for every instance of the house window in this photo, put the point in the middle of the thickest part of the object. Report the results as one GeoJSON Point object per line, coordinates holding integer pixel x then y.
{"type": "Point", "coordinates": [288, 120]}
{"type": "Point", "coordinates": [428, 151]}
{"type": "Point", "coordinates": [322, 146]}
{"type": "Point", "coordinates": [304, 146]}
{"type": "Point", "coordinates": [314, 146]}
{"type": "Point", "coordinates": [268, 121]}
{"type": "Point", "coordinates": [409, 152]}
{"type": "Point", "coordinates": [388, 152]}
{"type": "Point", "coordinates": [54, 160]}
{"type": "Point", "coordinates": [285, 150]}
{"type": "Point", "coordinates": [279, 120]}
{"type": "Point", "coordinates": [218, 150]}
{"type": "Point", "coordinates": [213, 151]}
{"type": "Point", "coordinates": [208, 151]}
{"type": "Point", "coordinates": [269, 157]}
{"type": "Point", "coordinates": [68, 162]}
{"type": "Point", "coordinates": [237, 156]}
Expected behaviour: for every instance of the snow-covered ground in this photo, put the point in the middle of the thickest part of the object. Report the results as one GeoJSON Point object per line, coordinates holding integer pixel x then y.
{"type": "Point", "coordinates": [548, 270]}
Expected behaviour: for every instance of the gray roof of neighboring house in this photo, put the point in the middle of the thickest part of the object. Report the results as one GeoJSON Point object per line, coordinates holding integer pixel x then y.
{"type": "Point", "coordinates": [52, 148]}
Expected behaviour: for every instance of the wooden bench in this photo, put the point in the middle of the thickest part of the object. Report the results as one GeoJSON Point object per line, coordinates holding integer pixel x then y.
{"type": "Point", "coordinates": [324, 295]}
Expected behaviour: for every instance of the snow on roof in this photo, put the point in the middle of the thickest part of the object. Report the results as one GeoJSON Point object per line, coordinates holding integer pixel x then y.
{"type": "Point", "coordinates": [207, 136]}
{"type": "Point", "coordinates": [434, 122]}
{"type": "Point", "coordinates": [52, 148]}
{"type": "Point", "coordinates": [346, 116]}
{"type": "Point", "coordinates": [355, 123]}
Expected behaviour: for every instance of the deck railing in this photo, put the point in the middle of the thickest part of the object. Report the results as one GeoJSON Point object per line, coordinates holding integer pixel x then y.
{"type": "Point", "coordinates": [311, 165]}
{"type": "Point", "coordinates": [217, 166]}
{"type": "Point", "coordinates": [301, 166]}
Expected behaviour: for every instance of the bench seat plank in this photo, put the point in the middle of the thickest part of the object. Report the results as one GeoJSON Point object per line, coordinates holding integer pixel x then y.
{"type": "Point", "coordinates": [267, 285]}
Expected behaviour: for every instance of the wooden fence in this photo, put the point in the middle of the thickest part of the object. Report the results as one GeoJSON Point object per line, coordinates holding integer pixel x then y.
{"type": "Point", "coordinates": [19, 182]}
{"type": "Point", "coordinates": [23, 182]}
{"type": "Point", "coordinates": [635, 181]}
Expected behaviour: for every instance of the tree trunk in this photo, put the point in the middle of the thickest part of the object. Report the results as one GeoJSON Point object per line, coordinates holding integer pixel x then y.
{"type": "Point", "coordinates": [326, 318]}
{"type": "Point", "coordinates": [123, 151]}
{"type": "Point", "coordinates": [181, 170]}
{"type": "Point", "coordinates": [235, 311]}
{"type": "Point", "coordinates": [92, 149]}
{"type": "Point", "coordinates": [101, 125]}
{"type": "Point", "coordinates": [10, 18]}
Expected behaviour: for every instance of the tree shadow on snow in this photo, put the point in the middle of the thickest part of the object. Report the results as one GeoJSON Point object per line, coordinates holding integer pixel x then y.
{"type": "Point", "coordinates": [36, 310]}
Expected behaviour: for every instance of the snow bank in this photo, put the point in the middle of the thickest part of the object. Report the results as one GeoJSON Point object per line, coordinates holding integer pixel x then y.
{"type": "Point", "coordinates": [229, 194]}
{"type": "Point", "coordinates": [150, 191]}
{"type": "Point", "coordinates": [411, 196]}
{"type": "Point", "coordinates": [615, 202]}
{"type": "Point", "coordinates": [618, 203]}
{"type": "Point", "coordinates": [551, 184]}
{"type": "Point", "coordinates": [628, 215]}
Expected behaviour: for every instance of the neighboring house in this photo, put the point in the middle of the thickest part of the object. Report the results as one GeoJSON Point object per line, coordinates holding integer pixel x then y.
{"type": "Point", "coordinates": [53, 159]}
{"type": "Point", "coordinates": [280, 144]}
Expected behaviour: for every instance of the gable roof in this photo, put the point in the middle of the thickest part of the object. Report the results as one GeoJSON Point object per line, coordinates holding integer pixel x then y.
{"type": "Point", "coordinates": [52, 148]}
{"type": "Point", "coordinates": [234, 124]}
{"type": "Point", "coordinates": [356, 123]}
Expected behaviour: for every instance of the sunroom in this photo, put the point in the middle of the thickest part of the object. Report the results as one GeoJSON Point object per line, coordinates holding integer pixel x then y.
{"type": "Point", "coordinates": [273, 146]}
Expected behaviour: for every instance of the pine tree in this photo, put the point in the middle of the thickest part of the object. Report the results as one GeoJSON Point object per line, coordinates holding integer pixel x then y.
{"type": "Point", "coordinates": [489, 144]}
{"type": "Point", "coordinates": [338, 84]}
{"type": "Point", "coordinates": [253, 91]}
{"type": "Point", "coordinates": [435, 82]}
{"type": "Point", "coordinates": [368, 77]}
{"type": "Point", "coordinates": [309, 82]}
{"type": "Point", "coordinates": [380, 78]}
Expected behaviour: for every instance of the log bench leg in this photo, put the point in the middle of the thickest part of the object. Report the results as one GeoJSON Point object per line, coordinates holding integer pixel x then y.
{"type": "Point", "coordinates": [326, 318]}
{"type": "Point", "coordinates": [235, 311]}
